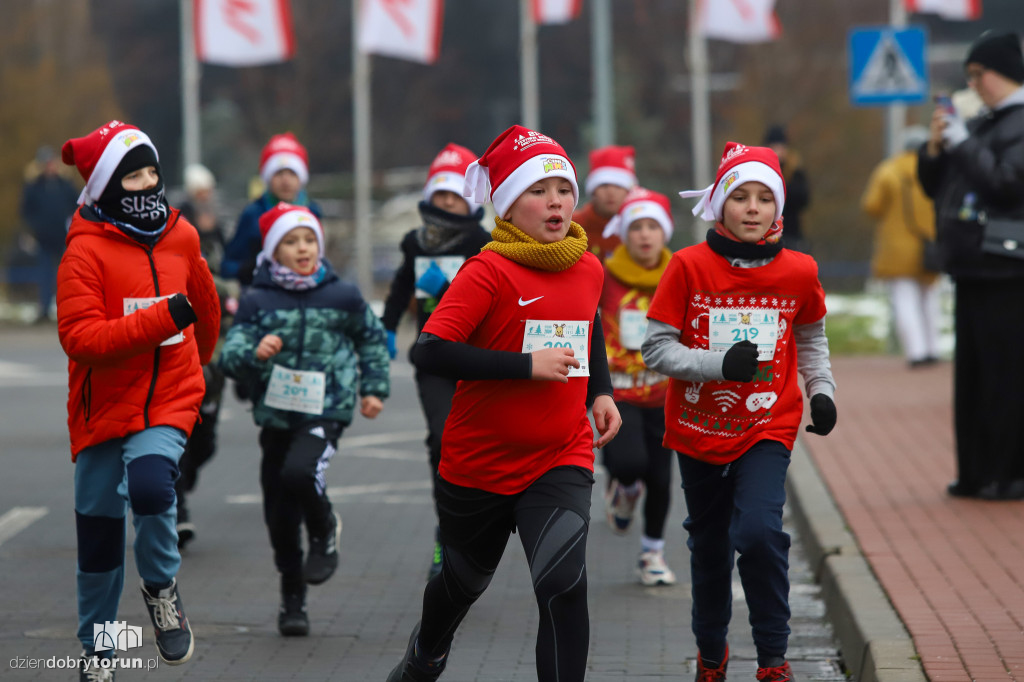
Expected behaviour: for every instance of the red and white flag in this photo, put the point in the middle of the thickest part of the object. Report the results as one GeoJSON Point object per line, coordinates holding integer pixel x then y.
{"type": "Point", "coordinates": [739, 21]}
{"type": "Point", "coordinates": [243, 32]}
{"type": "Point", "coordinates": [406, 29]}
{"type": "Point", "coordinates": [956, 10]}
{"type": "Point", "coordinates": [555, 11]}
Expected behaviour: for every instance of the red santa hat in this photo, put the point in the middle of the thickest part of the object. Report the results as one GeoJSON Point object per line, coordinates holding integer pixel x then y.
{"type": "Point", "coordinates": [284, 152]}
{"type": "Point", "coordinates": [612, 165]}
{"type": "Point", "coordinates": [282, 219]}
{"type": "Point", "coordinates": [740, 164]}
{"type": "Point", "coordinates": [515, 160]}
{"type": "Point", "coordinates": [641, 203]}
{"type": "Point", "coordinates": [448, 173]}
{"type": "Point", "coordinates": [98, 154]}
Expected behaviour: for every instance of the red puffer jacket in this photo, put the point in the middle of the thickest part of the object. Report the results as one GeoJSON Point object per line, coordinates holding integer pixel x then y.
{"type": "Point", "coordinates": [128, 368]}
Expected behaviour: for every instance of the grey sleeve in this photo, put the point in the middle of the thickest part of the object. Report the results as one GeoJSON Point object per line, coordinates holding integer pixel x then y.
{"type": "Point", "coordinates": [813, 358]}
{"type": "Point", "coordinates": [664, 354]}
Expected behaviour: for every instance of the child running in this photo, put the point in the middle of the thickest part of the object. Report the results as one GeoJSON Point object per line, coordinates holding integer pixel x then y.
{"type": "Point", "coordinates": [137, 315]}
{"type": "Point", "coordinates": [431, 255]}
{"type": "Point", "coordinates": [308, 348]}
{"type": "Point", "coordinates": [731, 323]}
{"type": "Point", "coordinates": [636, 459]}
{"type": "Point", "coordinates": [520, 328]}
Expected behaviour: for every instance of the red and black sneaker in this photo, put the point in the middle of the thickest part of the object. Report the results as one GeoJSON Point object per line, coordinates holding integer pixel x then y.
{"type": "Point", "coordinates": [780, 673]}
{"type": "Point", "coordinates": [705, 674]}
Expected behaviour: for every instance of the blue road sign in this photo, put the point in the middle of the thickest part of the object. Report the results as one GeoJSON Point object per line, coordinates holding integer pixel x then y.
{"type": "Point", "coordinates": [888, 65]}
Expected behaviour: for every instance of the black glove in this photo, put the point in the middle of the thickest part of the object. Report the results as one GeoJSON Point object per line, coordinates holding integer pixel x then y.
{"type": "Point", "coordinates": [823, 414]}
{"type": "Point", "coordinates": [740, 363]}
{"type": "Point", "coordinates": [181, 311]}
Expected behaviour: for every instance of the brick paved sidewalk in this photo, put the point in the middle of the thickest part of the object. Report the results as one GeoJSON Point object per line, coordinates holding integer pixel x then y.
{"type": "Point", "coordinates": [953, 568]}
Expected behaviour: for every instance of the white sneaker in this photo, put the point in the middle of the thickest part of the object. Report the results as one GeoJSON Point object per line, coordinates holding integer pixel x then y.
{"type": "Point", "coordinates": [652, 570]}
{"type": "Point", "coordinates": [622, 505]}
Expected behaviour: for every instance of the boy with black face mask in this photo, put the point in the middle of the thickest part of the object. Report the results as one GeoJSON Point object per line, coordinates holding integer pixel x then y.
{"type": "Point", "coordinates": [137, 315]}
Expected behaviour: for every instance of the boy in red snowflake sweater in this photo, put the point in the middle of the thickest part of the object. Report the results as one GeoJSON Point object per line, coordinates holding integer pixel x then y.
{"type": "Point", "coordinates": [732, 322]}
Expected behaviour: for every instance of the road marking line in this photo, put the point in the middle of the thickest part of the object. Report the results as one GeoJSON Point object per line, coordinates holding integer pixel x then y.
{"type": "Point", "coordinates": [382, 439]}
{"type": "Point", "coordinates": [18, 519]}
{"type": "Point", "coordinates": [345, 491]}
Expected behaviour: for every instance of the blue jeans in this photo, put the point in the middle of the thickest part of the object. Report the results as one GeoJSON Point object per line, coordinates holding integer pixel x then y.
{"type": "Point", "coordinates": [137, 470]}
{"type": "Point", "coordinates": [733, 508]}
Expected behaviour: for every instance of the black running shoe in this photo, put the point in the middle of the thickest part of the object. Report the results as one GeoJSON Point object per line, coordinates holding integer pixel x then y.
{"type": "Point", "coordinates": [292, 621]}
{"type": "Point", "coordinates": [174, 638]}
{"type": "Point", "coordinates": [323, 553]}
{"type": "Point", "coordinates": [412, 669]}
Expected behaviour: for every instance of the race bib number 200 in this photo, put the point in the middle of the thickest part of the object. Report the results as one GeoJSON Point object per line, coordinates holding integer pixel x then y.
{"type": "Point", "coordinates": [541, 334]}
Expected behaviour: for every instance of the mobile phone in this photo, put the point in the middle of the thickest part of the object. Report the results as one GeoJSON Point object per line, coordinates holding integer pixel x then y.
{"type": "Point", "coordinates": [945, 102]}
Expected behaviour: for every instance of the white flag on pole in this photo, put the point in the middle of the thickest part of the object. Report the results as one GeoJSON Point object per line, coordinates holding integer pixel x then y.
{"type": "Point", "coordinates": [555, 11]}
{"type": "Point", "coordinates": [243, 32]}
{"type": "Point", "coordinates": [739, 21]}
{"type": "Point", "coordinates": [405, 29]}
{"type": "Point", "coordinates": [956, 10]}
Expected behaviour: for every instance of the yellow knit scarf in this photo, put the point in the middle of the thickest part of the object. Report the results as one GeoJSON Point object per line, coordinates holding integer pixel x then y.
{"type": "Point", "coordinates": [516, 245]}
{"type": "Point", "coordinates": [632, 274]}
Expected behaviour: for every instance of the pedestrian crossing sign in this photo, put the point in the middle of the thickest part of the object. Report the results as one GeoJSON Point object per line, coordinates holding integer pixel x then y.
{"type": "Point", "coordinates": [888, 65]}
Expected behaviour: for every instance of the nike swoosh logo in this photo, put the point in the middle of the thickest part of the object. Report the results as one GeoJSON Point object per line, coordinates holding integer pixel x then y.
{"type": "Point", "coordinates": [522, 302]}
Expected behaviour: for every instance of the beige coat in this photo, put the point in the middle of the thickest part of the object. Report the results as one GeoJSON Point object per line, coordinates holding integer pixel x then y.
{"type": "Point", "coordinates": [905, 216]}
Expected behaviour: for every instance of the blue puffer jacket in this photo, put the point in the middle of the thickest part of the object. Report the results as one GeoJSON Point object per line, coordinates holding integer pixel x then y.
{"type": "Point", "coordinates": [329, 329]}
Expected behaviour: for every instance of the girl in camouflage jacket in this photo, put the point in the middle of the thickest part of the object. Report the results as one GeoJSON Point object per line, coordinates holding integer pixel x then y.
{"type": "Point", "coordinates": [305, 344]}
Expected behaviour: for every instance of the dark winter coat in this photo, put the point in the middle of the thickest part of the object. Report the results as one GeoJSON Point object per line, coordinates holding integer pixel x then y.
{"type": "Point", "coordinates": [329, 329]}
{"type": "Point", "coordinates": [990, 165]}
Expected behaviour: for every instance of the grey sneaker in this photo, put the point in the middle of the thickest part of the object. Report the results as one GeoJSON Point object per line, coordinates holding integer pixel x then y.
{"type": "Point", "coordinates": [90, 668]}
{"type": "Point", "coordinates": [174, 639]}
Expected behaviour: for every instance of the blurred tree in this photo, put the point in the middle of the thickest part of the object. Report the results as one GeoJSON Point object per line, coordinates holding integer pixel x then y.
{"type": "Point", "coordinates": [55, 86]}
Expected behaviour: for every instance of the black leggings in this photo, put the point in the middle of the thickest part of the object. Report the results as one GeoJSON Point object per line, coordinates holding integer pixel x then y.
{"type": "Point", "coordinates": [551, 517]}
{"type": "Point", "coordinates": [636, 453]}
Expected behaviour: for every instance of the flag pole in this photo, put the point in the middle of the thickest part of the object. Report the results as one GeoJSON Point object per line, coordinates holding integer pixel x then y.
{"type": "Point", "coordinates": [529, 76]}
{"type": "Point", "coordinates": [362, 162]}
{"type": "Point", "coordinates": [190, 133]}
{"type": "Point", "coordinates": [700, 111]}
{"type": "Point", "coordinates": [601, 67]}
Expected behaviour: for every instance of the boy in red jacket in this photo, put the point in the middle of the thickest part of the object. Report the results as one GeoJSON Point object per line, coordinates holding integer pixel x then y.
{"type": "Point", "coordinates": [732, 322]}
{"type": "Point", "coordinates": [137, 315]}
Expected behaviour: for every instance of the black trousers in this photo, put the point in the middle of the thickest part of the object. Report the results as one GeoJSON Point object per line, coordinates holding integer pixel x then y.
{"type": "Point", "coordinates": [988, 391]}
{"type": "Point", "coordinates": [436, 395]}
{"type": "Point", "coordinates": [292, 475]}
{"type": "Point", "coordinates": [635, 454]}
{"type": "Point", "coordinates": [202, 444]}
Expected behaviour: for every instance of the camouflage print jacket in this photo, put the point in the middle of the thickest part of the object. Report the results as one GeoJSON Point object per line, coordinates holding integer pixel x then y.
{"type": "Point", "coordinates": [329, 329]}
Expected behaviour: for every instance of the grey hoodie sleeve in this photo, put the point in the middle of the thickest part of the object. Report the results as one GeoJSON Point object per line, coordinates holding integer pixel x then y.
{"type": "Point", "coordinates": [813, 358]}
{"type": "Point", "coordinates": [664, 354]}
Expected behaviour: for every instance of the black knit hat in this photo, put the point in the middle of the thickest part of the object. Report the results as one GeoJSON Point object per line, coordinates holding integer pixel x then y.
{"type": "Point", "coordinates": [1000, 52]}
{"type": "Point", "coordinates": [776, 134]}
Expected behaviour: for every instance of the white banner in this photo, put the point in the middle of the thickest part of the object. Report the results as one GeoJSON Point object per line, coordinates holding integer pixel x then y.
{"type": "Point", "coordinates": [957, 10]}
{"type": "Point", "coordinates": [405, 29]}
{"type": "Point", "coordinates": [739, 21]}
{"type": "Point", "coordinates": [243, 32]}
{"type": "Point", "coordinates": [555, 11]}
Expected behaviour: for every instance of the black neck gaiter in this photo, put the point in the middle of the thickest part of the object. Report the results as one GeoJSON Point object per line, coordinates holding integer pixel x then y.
{"type": "Point", "coordinates": [145, 209]}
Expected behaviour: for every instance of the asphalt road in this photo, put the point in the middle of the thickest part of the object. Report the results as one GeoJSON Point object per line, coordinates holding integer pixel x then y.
{"type": "Point", "coordinates": [362, 616]}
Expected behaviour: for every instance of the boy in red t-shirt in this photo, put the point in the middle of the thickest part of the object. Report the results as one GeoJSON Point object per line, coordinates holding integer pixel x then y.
{"type": "Point", "coordinates": [519, 327]}
{"type": "Point", "coordinates": [731, 323]}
